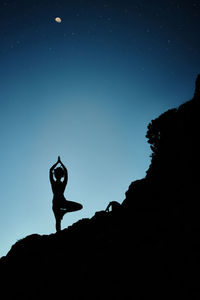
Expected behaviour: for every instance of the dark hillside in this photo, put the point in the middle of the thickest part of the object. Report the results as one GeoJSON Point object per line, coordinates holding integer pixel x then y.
{"type": "Point", "coordinates": [149, 247]}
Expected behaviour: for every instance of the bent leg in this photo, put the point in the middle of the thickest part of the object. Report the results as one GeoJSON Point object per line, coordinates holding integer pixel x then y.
{"type": "Point", "coordinates": [72, 206]}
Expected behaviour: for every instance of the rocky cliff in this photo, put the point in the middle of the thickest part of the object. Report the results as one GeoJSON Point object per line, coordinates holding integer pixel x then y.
{"type": "Point", "coordinates": [147, 247]}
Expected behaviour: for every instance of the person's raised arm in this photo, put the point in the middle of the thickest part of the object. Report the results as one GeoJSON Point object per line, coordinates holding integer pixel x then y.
{"type": "Point", "coordinates": [65, 171]}
{"type": "Point", "coordinates": [51, 171]}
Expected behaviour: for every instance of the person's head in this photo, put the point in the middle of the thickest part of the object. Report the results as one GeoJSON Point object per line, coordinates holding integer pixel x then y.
{"type": "Point", "coordinates": [58, 173]}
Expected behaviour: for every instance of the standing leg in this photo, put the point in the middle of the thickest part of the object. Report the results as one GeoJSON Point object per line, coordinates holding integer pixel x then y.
{"type": "Point", "coordinates": [58, 219]}
{"type": "Point", "coordinates": [58, 224]}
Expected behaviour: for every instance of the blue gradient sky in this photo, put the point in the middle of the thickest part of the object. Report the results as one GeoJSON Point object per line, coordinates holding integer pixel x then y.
{"type": "Point", "coordinates": [86, 90]}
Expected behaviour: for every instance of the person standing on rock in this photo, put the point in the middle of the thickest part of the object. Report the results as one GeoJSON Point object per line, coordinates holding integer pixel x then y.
{"type": "Point", "coordinates": [61, 206]}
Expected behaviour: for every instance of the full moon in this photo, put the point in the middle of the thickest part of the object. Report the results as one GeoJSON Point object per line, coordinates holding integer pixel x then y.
{"type": "Point", "coordinates": [58, 20]}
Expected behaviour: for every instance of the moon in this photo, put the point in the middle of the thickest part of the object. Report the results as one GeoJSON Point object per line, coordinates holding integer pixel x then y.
{"type": "Point", "coordinates": [58, 20]}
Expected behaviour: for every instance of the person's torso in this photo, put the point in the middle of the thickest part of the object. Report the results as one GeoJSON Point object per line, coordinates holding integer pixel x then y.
{"type": "Point", "coordinates": [58, 188]}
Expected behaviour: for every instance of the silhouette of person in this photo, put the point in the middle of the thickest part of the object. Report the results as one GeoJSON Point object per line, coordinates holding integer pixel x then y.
{"type": "Point", "coordinates": [61, 206]}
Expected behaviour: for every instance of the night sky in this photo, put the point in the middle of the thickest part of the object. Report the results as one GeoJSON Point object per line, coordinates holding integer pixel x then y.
{"type": "Point", "coordinates": [85, 89]}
